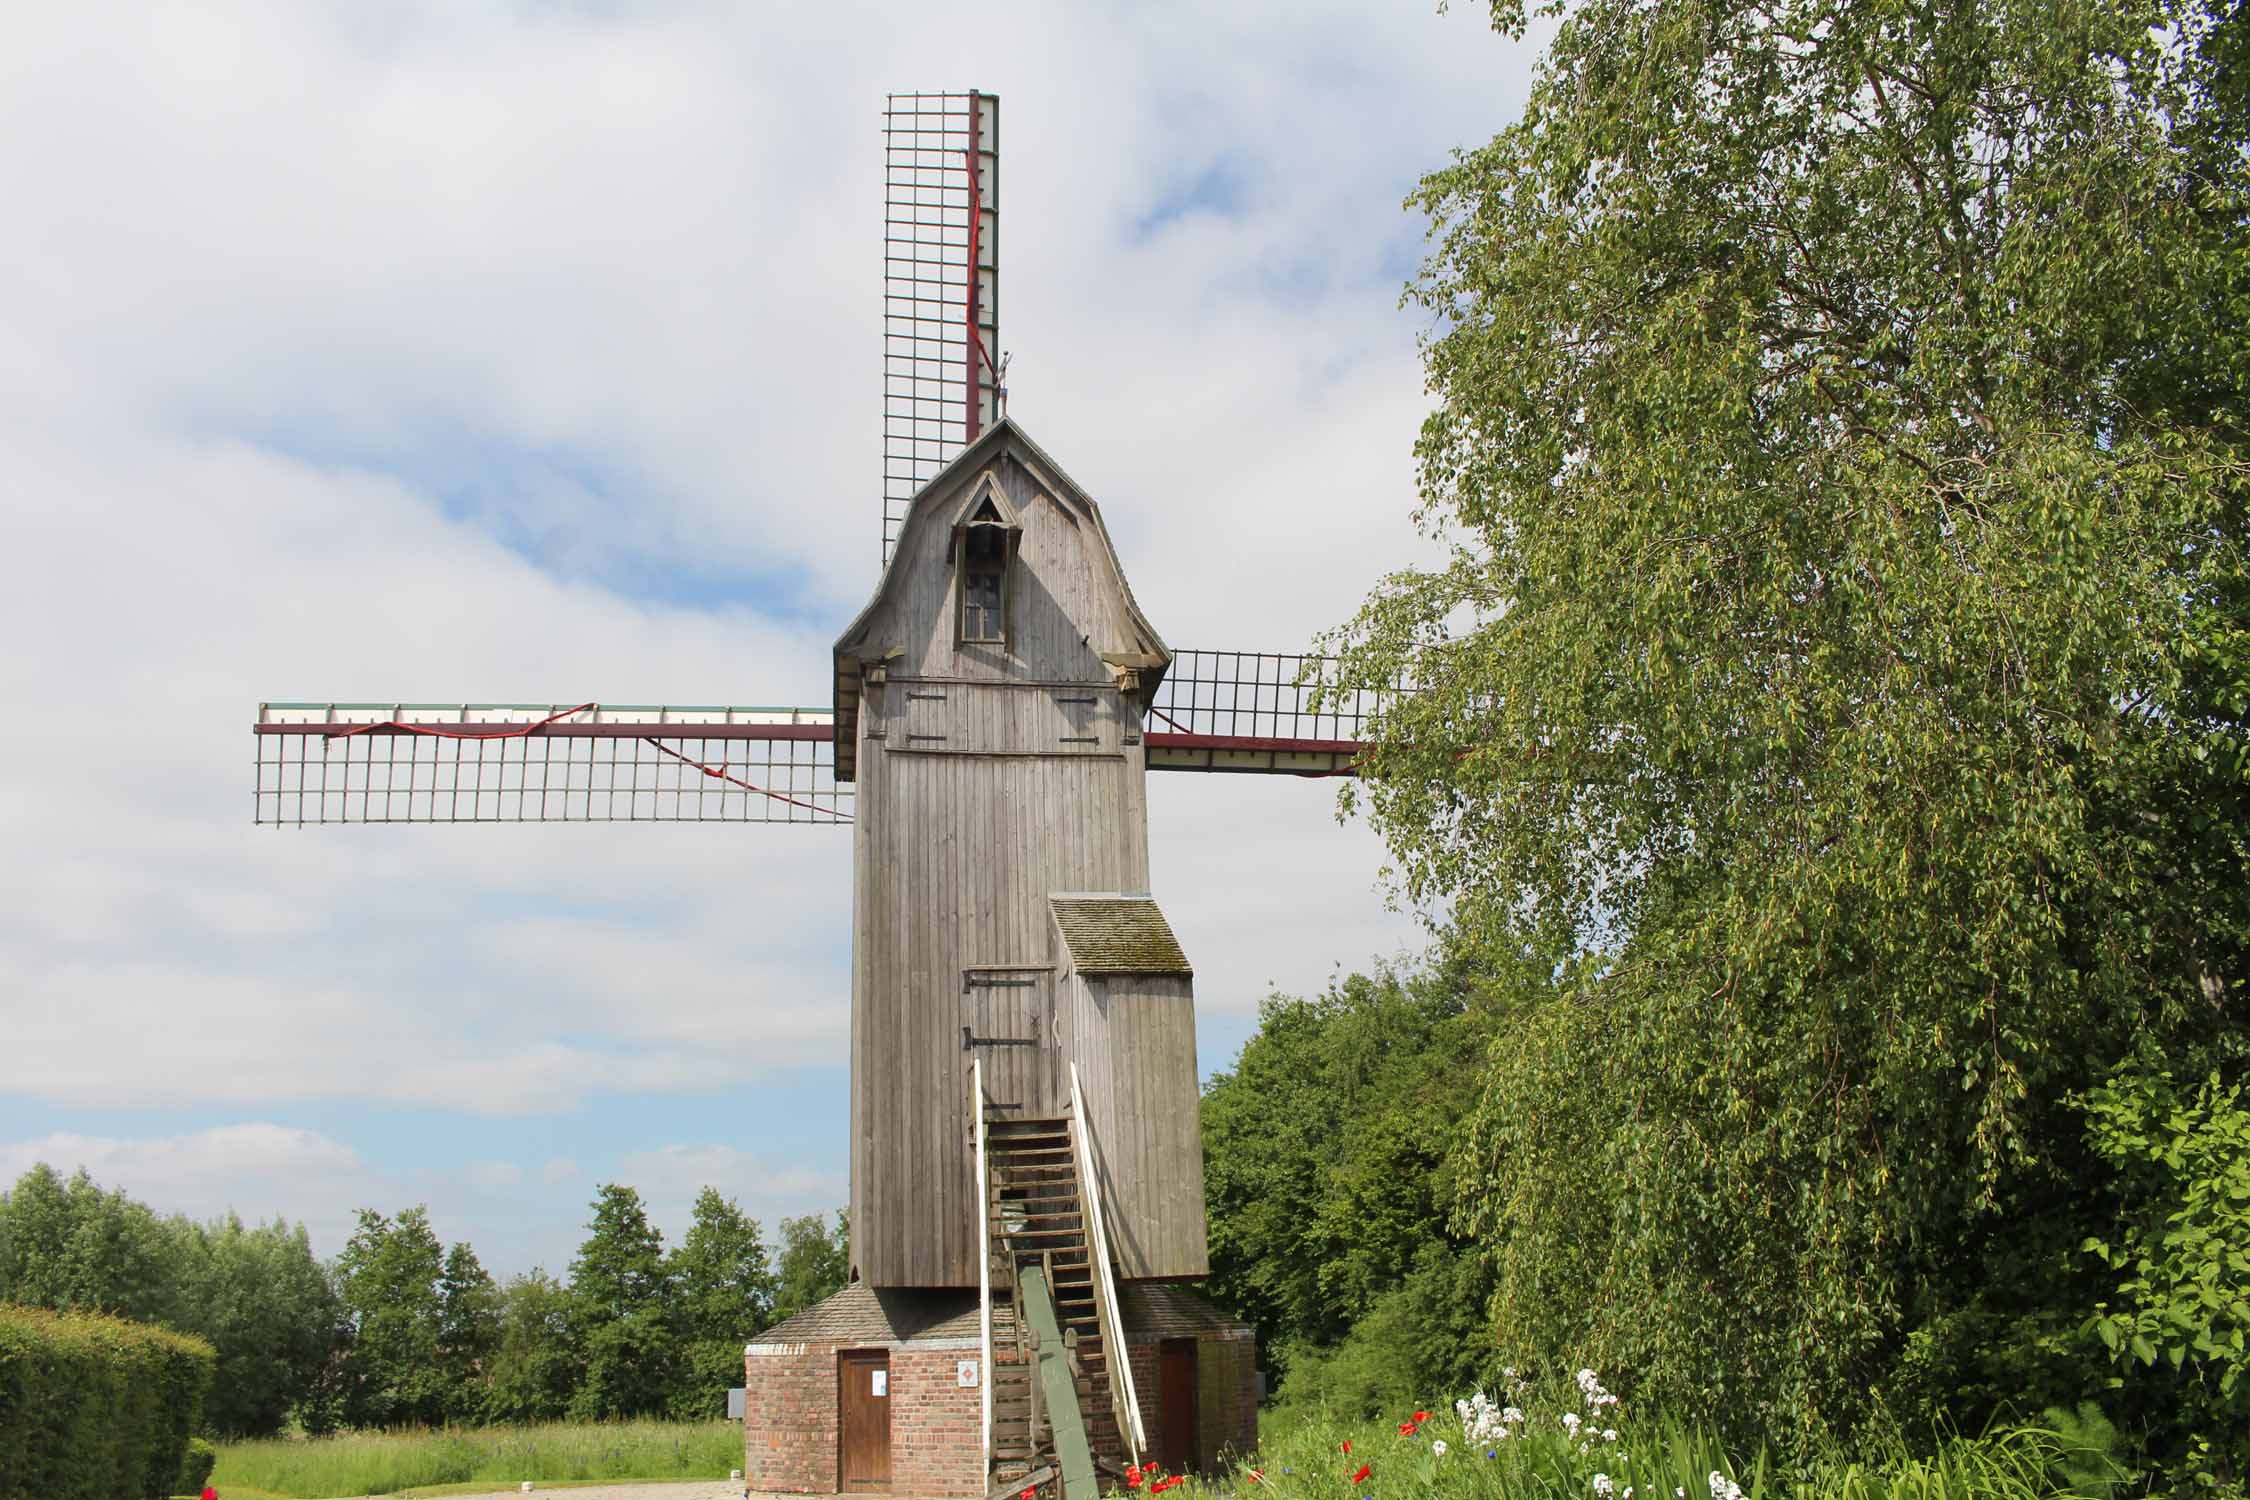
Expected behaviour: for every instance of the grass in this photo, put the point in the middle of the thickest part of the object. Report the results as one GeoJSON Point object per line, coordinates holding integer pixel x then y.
{"type": "Point", "coordinates": [431, 1459]}
{"type": "Point", "coordinates": [1302, 1456]}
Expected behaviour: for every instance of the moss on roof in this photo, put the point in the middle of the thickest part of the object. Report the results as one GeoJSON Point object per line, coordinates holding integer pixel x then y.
{"type": "Point", "coordinates": [1118, 933]}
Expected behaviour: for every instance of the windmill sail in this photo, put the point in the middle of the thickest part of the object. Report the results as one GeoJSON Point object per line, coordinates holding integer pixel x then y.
{"type": "Point", "coordinates": [1249, 712]}
{"type": "Point", "coordinates": [941, 287]}
{"type": "Point", "coordinates": [1258, 712]}
{"type": "Point", "coordinates": [545, 763]}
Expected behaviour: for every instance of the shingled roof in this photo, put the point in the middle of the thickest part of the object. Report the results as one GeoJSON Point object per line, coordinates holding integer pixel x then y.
{"type": "Point", "coordinates": [1155, 1309]}
{"type": "Point", "coordinates": [1117, 932]}
{"type": "Point", "coordinates": [861, 1314]}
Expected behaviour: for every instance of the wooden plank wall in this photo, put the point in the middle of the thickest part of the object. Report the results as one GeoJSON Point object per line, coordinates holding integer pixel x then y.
{"type": "Point", "coordinates": [1133, 1037]}
{"type": "Point", "coordinates": [957, 851]}
{"type": "Point", "coordinates": [989, 777]}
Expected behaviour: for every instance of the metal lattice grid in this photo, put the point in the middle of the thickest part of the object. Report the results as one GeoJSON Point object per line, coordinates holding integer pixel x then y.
{"type": "Point", "coordinates": [319, 764]}
{"type": "Point", "coordinates": [941, 287]}
{"type": "Point", "coordinates": [1259, 695]}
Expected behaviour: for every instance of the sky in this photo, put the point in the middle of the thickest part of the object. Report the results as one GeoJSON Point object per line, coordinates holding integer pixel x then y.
{"type": "Point", "coordinates": [531, 352]}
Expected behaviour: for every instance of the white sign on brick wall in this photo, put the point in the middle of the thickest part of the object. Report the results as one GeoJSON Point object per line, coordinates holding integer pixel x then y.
{"type": "Point", "coordinates": [965, 1374]}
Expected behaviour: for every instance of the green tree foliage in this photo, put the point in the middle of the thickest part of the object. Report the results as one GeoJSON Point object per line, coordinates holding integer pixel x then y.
{"type": "Point", "coordinates": [67, 1245]}
{"type": "Point", "coordinates": [724, 1284]}
{"type": "Point", "coordinates": [1841, 660]}
{"type": "Point", "coordinates": [270, 1311]}
{"type": "Point", "coordinates": [1328, 1188]}
{"type": "Point", "coordinates": [468, 1331]}
{"type": "Point", "coordinates": [815, 1259]}
{"type": "Point", "coordinates": [621, 1298]}
{"type": "Point", "coordinates": [388, 1276]}
{"type": "Point", "coordinates": [535, 1364]}
{"type": "Point", "coordinates": [255, 1293]}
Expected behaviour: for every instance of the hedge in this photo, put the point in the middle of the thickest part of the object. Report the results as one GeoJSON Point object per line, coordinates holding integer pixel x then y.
{"type": "Point", "coordinates": [195, 1467]}
{"type": "Point", "coordinates": [95, 1408]}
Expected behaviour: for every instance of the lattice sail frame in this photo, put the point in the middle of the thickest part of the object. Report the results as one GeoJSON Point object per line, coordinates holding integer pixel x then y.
{"type": "Point", "coordinates": [321, 763]}
{"type": "Point", "coordinates": [941, 287]}
{"type": "Point", "coordinates": [1258, 712]}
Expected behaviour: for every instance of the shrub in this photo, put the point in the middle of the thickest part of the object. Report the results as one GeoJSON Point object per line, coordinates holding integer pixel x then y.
{"type": "Point", "coordinates": [92, 1407]}
{"type": "Point", "coordinates": [195, 1467]}
{"type": "Point", "coordinates": [2177, 1323]}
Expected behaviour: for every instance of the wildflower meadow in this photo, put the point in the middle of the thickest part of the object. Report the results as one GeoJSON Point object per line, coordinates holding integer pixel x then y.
{"type": "Point", "coordinates": [1583, 1445]}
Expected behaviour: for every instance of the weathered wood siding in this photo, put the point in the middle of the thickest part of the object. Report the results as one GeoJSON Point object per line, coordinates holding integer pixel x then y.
{"type": "Point", "coordinates": [1133, 1038]}
{"type": "Point", "coordinates": [989, 777]}
{"type": "Point", "coordinates": [1065, 603]}
{"type": "Point", "coordinates": [957, 852]}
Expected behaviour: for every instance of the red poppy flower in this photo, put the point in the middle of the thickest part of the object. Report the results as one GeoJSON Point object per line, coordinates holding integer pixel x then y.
{"type": "Point", "coordinates": [1364, 1471]}
{"type": "Point", "coordinates": [1347, 1445]}
{"type": "Point", "coordinates": [1166, 1483]}
{"type": "Point", "coordinates": [1406, 1429]}
{"type": "Point", "coordinates": [1029, 1493]}
{"type": "Point", "coordinates": [1421, 1416]}
{"type": "Point", "coordinates": [1133, 1472]}
{"type": "Point", "coordinates": [1256, 1476]}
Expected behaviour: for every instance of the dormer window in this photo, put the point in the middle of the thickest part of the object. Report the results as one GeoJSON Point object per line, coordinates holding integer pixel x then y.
{"type": "Point", "coordinates": [984, 583]}
{"type": "Point", "coordinates": [984, 552]}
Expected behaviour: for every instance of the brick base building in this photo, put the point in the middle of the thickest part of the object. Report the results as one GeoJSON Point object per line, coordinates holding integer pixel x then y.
{"type": "Point", "coordinates": [893, 1378]}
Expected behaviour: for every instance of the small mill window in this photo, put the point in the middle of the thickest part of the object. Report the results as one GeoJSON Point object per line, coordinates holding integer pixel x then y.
{"type": "Point", "coordinates": [984, 578]}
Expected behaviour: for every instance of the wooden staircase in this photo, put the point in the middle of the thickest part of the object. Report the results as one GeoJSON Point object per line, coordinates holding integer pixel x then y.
{"type": "Point", "coordinates": [1037, 1217]}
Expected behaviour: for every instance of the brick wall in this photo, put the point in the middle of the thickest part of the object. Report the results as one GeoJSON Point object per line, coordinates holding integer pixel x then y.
{"type": "Point", "coordinates": [789, 1420]}
{"type": "Point", "coordinates": [1226, 1389]}
{"type": "Point", "coordinates": [937, 1447]}
{"type": "Point", "coordinates": [937, 1428]}
{"type": "Point", "coordinates": [1142, 1357]}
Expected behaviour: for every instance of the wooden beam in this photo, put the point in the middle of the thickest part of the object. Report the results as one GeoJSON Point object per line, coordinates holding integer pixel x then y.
{"type": "Point", "coordinates": [1016, 1487]}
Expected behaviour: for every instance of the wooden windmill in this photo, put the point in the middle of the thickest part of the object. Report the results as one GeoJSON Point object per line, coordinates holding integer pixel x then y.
{"type": "Point", "coordinates": [1026, 1165]}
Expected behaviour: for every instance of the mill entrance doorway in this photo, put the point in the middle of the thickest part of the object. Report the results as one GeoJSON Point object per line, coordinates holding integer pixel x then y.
{"type": "Point", "coordinates": [863, 1420]}
{"type": "Point", "coordinates": [1175, 1382]}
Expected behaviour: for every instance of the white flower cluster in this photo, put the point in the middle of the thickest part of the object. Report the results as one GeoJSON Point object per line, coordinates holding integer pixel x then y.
{"type": "Point", "coordinates": [1604, 1486]}
{"type": "Point", "coordinates": [1723, 1488]}
{"type": "Point", "coordinates": [1482, 1422]}
{"type": "Point", "coordinates": [1590, 1386]}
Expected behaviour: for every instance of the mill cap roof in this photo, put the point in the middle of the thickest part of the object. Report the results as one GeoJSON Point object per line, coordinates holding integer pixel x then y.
{"type": "Point", "coordinates": [938, 502]}
{"type": "Point", "coordinates": [1117, 932]}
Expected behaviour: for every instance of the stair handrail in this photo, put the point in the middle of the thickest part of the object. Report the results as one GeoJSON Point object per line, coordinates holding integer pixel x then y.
{"type": "Point", "coordinates": [984, 1260]}
{"type": "Point", "coordinates": [1120, 1362]}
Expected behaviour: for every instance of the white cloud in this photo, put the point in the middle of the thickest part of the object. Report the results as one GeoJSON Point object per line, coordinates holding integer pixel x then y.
{"type": "Point", "coordinates": [473, 351]}
{"type": "Point", "coordinates": [246, 1169]}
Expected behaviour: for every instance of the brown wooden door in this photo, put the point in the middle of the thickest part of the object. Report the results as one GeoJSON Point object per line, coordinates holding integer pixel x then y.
{"type": "Point", "coordinates": [1175, 1383]}
{"type": "Point", "coordinates": [1008, 1019]}
{"type": "Point", "coordinates": [863, 1420]}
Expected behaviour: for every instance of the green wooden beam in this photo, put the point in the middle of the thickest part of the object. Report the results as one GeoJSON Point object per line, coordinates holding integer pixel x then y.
{"type": "Point", "coordinates": [1072, 1450]}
